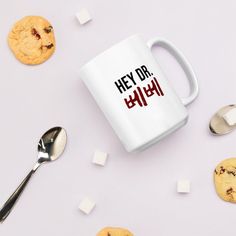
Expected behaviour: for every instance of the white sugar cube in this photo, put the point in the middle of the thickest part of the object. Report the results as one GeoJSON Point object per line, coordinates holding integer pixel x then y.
{"type": "Point", "coordinates": [183, 186]}
{"type": "Point", "coordinates": [230, 117]}
{"type": "Point", "coordinates": [100, 158]}
{"type": "Point", "coordinates": [86, 205]}
{"type": "Point", "coordinates": [83, 16]}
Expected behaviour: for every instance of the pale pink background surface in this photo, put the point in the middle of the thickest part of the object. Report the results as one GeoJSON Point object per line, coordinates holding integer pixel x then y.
{"type": "Point", "coordinates": [137, 191]}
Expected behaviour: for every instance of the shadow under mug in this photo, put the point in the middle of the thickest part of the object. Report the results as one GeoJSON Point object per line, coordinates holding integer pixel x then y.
{"type": "Point", "coordinates": [134, 94]}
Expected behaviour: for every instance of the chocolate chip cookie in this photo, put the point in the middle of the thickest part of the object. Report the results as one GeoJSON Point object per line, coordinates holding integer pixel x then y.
{"type": "Point", "coordinates": [225, 180]}
{"type": "Point", "coordinates": [110, 231]}
{"type": "Point", "coordinates": [32, 40]}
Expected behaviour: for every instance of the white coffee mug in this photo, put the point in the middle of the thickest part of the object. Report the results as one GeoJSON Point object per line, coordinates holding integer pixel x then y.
{"type": "Point", "coordinates": [134, 94]}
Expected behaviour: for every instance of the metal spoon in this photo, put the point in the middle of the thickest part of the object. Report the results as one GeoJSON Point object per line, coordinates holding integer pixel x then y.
{"type": "Point", "coordinates": [218, 125]}
{"type": "Point", "coordinates": [50, 147]}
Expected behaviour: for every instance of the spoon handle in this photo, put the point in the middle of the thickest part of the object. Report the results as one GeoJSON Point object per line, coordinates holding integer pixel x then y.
{"type": "Point", "coordinates": [7, 207]}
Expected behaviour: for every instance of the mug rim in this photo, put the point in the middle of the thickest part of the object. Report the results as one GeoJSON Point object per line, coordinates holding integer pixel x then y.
{"type": "Point", "coordinates": [87, 64]}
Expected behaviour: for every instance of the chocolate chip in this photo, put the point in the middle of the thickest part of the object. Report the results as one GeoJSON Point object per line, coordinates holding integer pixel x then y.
{"type": "Point", "coordinates": [231, 172]}
{"type": "Point", "coordinates": [49, 46]}
{"type": "Point", "coordinates": [48, 29]}
{"type": "Point", "coordinates": [108, 234]}
{"type": "Point", "coordinates": [216, 172]}
{"type": "Point", "coordinates": [229, 191]}
{"type": "Point", "coordinates": [35, 33]}
{"type": "Point", "coordinates": [222, 170]}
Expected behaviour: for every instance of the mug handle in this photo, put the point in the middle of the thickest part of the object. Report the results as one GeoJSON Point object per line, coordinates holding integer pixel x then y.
{"type": "Point", "coordinates": [187, 68]}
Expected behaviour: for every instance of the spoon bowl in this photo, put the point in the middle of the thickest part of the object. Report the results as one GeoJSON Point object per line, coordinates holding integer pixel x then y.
{"type": "Point", "coordinates": [217, 125]}
{"type": "Point", "coordinates": [52, 145]}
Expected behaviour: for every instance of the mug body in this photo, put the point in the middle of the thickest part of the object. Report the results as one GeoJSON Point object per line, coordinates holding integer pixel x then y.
{"type": "Point", "coordinates": [133, 93]}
